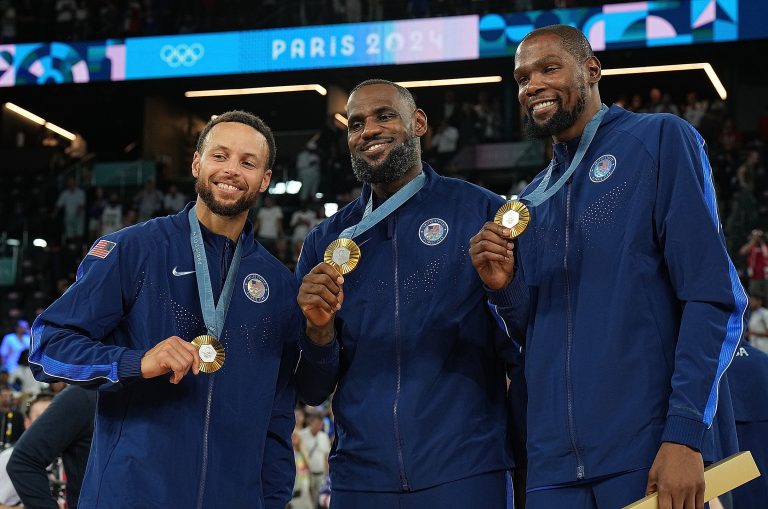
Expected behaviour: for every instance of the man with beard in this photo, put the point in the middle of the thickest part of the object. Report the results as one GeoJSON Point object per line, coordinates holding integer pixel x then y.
{"type": "Point", "coordinates": [410, 342]}
{"type": "Point", "coordinates": [219, 436]}
{"type": "Point", "coordinates": [623, 292]}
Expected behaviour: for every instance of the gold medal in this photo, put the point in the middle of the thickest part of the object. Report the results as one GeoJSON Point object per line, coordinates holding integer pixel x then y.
{"type": "Point", "coordinates": [343, 255]}
{"type": "Point", "coordinates": [211, 353]}
{"type": "Point", "coordinates": [515, 216]}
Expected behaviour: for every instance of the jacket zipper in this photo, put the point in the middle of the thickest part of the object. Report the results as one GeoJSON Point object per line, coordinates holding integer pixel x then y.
{"type": "Point", "coordinates": [224, 262]}
{"type": "Point", "coordinates": [569, 337]}
{"type": "Point", "coordinates": [398, 368]}
{"type": "Point", "coordinates": [206, 426]}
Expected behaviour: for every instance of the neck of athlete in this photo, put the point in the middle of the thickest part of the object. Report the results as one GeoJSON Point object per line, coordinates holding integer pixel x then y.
{"type": "Point", "coordinates": [229, 226]}
{"type": "Point", "coordinates": [385, 190]}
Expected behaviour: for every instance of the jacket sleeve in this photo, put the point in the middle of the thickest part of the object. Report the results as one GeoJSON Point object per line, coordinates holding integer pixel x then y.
{"type": "Point", "coordinates": [64, 421]}
{"type": "Point", "coordinates": [278, 468]}
{"type": "Point", "coordinates": [510, 306]}
{"type": "Point", "coordinates": [712, 300]}
{"type": "Point", "coordinates": [70, 339]}
{"type": "Point", "coordinates": [318, 371]}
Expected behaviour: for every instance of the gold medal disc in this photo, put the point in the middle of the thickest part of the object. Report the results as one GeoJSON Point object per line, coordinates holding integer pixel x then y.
{"type": "Point", "coordinates": [515, 216]}
{"type": "Point", "coordinates": [211, 353]}
{"type": "Point", "coordinates": [343, 255]}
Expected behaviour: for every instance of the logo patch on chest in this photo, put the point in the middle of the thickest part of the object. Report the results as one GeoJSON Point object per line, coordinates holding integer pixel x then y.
{"type": "Point", "coordinates": [256, 288]}
{"type": "Point", "coordinates": [602, 168]}
{"type": "Point", "coordinates": [433, 231]}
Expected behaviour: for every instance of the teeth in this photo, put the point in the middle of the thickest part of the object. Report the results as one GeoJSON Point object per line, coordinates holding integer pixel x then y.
{"type": "Point", "coordinates": [374, 147]}
{"type": "Point", "coordinates": [226, 187]}
{"type": "Point", "coordinates": [539, 106]}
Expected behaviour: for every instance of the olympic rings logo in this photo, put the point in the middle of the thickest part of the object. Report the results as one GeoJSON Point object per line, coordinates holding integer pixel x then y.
{"type": "Point", "coordinates": [182, 54]}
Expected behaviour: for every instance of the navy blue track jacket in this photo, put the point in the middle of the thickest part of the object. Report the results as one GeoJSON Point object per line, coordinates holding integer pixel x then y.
{"type": "Point", "coordinates": [213, 440]}
{"type": "Point", "coordinates": [627, 301]}
{"type": "Point", "coordinates": [420, 398]}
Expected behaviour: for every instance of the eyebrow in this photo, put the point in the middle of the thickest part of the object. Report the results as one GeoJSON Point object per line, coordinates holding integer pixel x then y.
{"type": "Point", "coordinates": [538, 62]}
{"type": "Point", "coordinates": [224, 147]}
{"type": "Point", "coordinates": [358, 116]}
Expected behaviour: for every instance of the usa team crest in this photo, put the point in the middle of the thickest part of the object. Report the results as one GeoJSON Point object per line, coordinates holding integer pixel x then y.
{"type": "Point", "coordinates": [433, 231]}
{"type": "Point", "coordinates": [602, 168]}
{"type": "Point", "coordinates": [256, 288]}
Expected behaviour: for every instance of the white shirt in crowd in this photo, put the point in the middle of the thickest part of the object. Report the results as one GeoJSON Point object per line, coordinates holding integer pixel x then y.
{"type": "Point", "coordinates": [446, 140]}
{"type": "Point", "coordinates": [302, 221]}
{"type": "Point", "coordinates": [758, 329]}
{"type": "Point", "coordinates": [72, 201]}
{"type": "Point", "coordinates": [174, 202]}
{"type": "Point", "coordinates": [269, 217]}
{"type": "Point", "coordinates": [111, 218]}
{"type": "Point", "coordinates": [317, 448]}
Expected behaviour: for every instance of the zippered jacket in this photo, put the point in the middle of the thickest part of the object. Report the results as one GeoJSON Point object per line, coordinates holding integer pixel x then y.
{"type": "Point", "coordinates": [420, 394]}
{"type": "Point", "coordinates": [627, 301]}
{"type": "Point", "coordinates": [213, 440]}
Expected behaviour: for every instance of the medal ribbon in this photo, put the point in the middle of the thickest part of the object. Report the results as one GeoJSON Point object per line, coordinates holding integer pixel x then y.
{"type": "Point", "coordinates": [373, 217]}
{"type": "Point", "coordinates": [214, 316]}
{"type": "Point", "coordinates": [541, 193]}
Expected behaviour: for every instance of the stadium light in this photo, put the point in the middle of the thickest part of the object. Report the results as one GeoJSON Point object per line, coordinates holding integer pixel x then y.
{"type": "Point", "coordinates": [330, 209]}
{"type": "Point", "coordinates": [314, 87]}
{"type": "Point", "coordinates": [476, 80]}
{"type": "Point", "coordinates": [705, 66]}
{"type": "Point", "coordinates": [39, 243]}
{"type": "Point", "coordinates": [40, 120]}
{"type": "Point", "coordinates": [292, 187]}
{"type": "Point", "coordinates": [13, 242]}
{"type": "Point", "coordinates": [341, 119]}
{"type": "Point", "coordinates": [24, 113]}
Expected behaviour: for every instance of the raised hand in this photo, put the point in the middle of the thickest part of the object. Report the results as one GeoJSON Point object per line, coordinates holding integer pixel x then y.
{"type": "Point", "coordinates": [320, 296]}
{"type": "Point", "coordinates": [492, 255]}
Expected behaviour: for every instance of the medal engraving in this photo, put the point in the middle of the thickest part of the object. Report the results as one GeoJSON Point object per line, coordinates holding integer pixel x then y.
{"type": "Point", "coordinates": [515, 216]}
{"type": "Point", "coordinates": [343, 255]}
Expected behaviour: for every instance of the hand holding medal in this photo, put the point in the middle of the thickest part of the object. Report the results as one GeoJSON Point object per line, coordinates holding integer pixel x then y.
{"type": "Point", "coordinates": [211, 353]}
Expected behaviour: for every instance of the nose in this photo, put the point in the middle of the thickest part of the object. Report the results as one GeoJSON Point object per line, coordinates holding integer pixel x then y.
{"type": "Point", "coordinates": [371, 128]}
{"type": "Point", "coordinates": [535, 85]}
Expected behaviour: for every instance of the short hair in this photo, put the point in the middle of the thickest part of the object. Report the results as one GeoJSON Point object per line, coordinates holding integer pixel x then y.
{"type": "Point", "coordinates": [39, 397]}
{"type": "Point", "coordinates": [405, 94]}
{"type": "Point", "coordinates": [242, 117]}
{"type": "Point", "coordinates": [574, 41]}
{"type": "Point", "coordinates": [313, 416]}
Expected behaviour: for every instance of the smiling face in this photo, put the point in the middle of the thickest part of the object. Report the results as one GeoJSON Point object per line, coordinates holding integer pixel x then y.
{"type": "Point", "coordinates": [231, 170]}
{"type": "Point", "coordinates": [383, 134]}
{"type": "Point", "coordinates": [554, 89]}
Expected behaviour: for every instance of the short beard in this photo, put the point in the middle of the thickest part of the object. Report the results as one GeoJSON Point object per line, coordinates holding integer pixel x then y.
{"type": "Point", "coordinates": [244, 204]}
{"type": "Point", "coordinates": [560, 121]}
{"type": "Point", "coordinates": [397, 163]}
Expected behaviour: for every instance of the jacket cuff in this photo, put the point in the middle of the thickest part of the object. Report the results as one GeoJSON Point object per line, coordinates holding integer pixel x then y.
{"type": "Point", "coordinates": [319, 354]}
{"type": "Point", "coordinates": [682, 430]}
{"type": "Point", "coordinates": [510, 296]}
{"type": "Point", "coordinates": [129, 365]}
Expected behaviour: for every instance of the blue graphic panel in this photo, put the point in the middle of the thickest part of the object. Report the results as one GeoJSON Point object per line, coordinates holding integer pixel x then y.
{"type": "Point", "coordinates": [634, 24]}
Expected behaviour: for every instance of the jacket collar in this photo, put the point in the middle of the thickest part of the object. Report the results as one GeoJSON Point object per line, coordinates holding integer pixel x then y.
{"type": "Point", "coordinates": [246, 237]}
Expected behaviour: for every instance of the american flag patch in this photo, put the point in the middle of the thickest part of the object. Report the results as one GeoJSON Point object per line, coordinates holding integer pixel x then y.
{"type": "Point", "coordinates": [102, 248]}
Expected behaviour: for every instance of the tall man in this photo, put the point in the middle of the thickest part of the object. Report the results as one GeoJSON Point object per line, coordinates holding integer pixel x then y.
{"type": "Point", "coordinates": [218, 438]}
{"type": "Point", "coordinates": [622, 288]}
{"type": "Point", "coordinates": [419, 403]}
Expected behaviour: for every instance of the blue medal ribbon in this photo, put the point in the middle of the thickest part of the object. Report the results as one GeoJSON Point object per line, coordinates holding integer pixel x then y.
{"type": "Point", "coordinates": [541, 193]}
{"type": "Point", "coordinates": [214, 316]}
{"type": "Point", "coordinates": [373, 217]}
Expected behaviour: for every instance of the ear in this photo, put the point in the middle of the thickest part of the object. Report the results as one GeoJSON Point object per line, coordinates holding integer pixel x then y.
{"type": "Point", "coordinates": [419, 122]}
{"type": "Point", "coordinates": [265, 181]}
{"type": "Point", "coordinates": [594, 69]}
{"type": "Point", "coordinates": [196, 165]}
